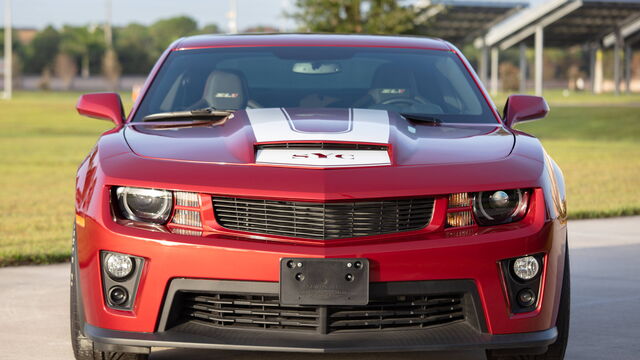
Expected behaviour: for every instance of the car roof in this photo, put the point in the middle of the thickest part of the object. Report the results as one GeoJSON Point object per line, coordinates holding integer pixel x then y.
{"type": "Point", "coordinates": [206, 41]}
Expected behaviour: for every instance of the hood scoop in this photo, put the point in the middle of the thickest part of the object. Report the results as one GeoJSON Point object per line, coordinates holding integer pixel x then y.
{"type": "Point", "coordinates": [322, 154]}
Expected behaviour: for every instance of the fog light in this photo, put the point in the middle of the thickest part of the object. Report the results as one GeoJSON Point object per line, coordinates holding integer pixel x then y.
{"type": "Point", "coordinates": [526, 298]}
{"type": "Point", "coordinates": [118, 266]}
{"type": "Point", "coordinates": [118, 295]}
{"type": "Point", "coordinates": [526, 268]}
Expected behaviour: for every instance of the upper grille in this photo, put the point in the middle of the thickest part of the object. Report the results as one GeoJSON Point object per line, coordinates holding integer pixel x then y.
{"type": "Point", "coordinates": [322, 220]}
{"type": "Point", "coordinates": [265, 312]}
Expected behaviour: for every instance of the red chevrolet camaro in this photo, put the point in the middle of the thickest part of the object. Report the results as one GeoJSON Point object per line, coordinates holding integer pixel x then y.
{"type": "Point", "coordinates": [318, 193]}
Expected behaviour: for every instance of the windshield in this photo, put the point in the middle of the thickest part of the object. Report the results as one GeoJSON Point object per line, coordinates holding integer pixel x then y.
{"type": "Point", "coordinates": [408, 81]}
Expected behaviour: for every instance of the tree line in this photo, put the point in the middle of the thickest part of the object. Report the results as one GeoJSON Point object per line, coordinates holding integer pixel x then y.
{"type": "Point", "coordinates": [84, 50]}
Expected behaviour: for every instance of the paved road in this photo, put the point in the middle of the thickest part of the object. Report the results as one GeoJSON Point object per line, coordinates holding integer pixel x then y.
{"type": "Point", "coordinates": [605, 323]}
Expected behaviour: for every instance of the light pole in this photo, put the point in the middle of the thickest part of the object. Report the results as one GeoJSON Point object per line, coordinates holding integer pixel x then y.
{"type": "Point", "coordinates": [8, 52]}
{"type": "Point", "coordinates": [108, 33]}
{"type": "Point", "coordinates": [232, 17]}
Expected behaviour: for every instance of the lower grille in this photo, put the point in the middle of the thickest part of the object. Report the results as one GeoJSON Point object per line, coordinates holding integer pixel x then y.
{"type": "Point", "coordinates": [265, 312]}
{"type": "Point", "coordinates": [257, 311]}
{"type": "Point", "coordinates": [399, 312]}
{"type": "Point", "coordinates": [322, 221]}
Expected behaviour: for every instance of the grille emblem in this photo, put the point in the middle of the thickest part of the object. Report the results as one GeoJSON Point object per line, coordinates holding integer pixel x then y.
{"type": "Point", "coordinates": [323, 156]}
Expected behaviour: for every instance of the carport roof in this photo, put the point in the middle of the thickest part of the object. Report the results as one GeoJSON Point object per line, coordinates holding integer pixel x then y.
{"type": "Point", "coordinates": [565, 22]}
{"type": "Point", "coordinates": [461, 21]}
{"type": "Point", "coordinates": [630, 32]}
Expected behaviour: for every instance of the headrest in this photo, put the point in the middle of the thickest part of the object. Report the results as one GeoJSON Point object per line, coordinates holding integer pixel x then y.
{"type": "Point", "coordinates": [393, 81]}
{"type": "Point", "coordinates": [225, 89]}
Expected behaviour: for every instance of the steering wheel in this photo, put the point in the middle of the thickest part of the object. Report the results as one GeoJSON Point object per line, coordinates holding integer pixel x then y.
{"type": "Point", "coordinates": [403, 100]}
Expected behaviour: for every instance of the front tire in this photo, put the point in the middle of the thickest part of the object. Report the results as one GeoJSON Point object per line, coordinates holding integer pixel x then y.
{"type": "Point", "coordinates": [556, 350]}
{"type": "Point", "coordinates": [83, 347]}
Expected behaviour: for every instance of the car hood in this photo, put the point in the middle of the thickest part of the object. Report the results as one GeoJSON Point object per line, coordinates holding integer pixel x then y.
{"type": "Point", "coordinates": [322, 138]}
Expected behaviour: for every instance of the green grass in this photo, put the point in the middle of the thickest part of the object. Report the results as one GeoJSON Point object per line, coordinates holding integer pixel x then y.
{"type": "Point", "coordinates": [579, 98]}
{"type": "Point", "coordinates": [42, 141]}
{"type": "Point", "coordinates": [596, 141]}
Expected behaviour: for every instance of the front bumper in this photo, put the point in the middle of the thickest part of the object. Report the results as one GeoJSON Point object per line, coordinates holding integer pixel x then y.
{"type": "Point", "coordinates": [452, 337]}
{"type": "Point", "coordinates": [466, 333]}
{"type": "Point", "coordinates": [441, 256]}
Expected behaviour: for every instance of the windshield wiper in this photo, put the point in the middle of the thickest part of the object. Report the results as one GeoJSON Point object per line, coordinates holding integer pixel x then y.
{"type": "Point", "coordinates": [422, 118]}
{"type": "Point", "coordinates": [209, 113]}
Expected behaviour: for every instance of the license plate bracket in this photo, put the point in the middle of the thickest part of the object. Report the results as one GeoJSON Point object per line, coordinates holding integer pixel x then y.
{"type": "Point", "coordinates": [312, 281]}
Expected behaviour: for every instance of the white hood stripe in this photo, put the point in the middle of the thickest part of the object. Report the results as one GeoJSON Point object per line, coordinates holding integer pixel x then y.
{"type": "Point", "coordinates": [367, 126]}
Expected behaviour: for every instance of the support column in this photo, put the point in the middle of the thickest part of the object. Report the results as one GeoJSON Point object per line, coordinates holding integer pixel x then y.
{"type": "Point", "coordinates": [8, 52]}
{"type": "Point", "coordinates": [539, 47]}
{"type": "Point", "coordinates": [598, 74]}
{"type": "Point", "coordinates": [495, 62]}
{"type": "Point", "coordinates": [617, 71]}
{"type": "Point", "coordinates": [628, 54]}
{"type": "Point", "coordinates": [484, 65]}
{"type": "Point", "coordinates": [523, 68]}
{"type": "Point", "coordinates": [593, 51]}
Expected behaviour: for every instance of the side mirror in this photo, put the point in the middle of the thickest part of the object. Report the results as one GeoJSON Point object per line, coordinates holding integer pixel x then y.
{"type": "Point", "coordinates": [104, 106]}
{"type": "Point", "coordinates": [521, 108]}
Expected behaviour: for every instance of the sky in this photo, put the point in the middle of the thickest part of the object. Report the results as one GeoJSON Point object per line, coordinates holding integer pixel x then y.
{"type": "Point", "coordinates": [39, 13]}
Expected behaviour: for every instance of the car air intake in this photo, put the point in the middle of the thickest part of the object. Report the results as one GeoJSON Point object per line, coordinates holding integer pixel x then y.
{"type": "Point", "coordinates": [322, 221]}
{"type": "Point", "coordinates": [265, 312]}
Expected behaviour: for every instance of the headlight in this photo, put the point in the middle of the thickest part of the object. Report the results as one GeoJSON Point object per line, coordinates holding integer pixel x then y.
{"type": "Point", "coordinates": [148, 205]}
{"type": "Point", "coordinates": [499, 207]}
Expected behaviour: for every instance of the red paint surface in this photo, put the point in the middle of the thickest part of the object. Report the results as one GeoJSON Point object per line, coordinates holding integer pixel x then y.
{"type": "Point", "coordinates": [104, 106]}
{"type": "Point", "coordinates": [521, 108]}
{"type": "Point", "coordinates": [201, 42]}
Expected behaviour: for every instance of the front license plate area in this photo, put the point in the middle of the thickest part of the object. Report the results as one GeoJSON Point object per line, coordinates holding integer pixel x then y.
{"type": "Point", "coordinates": [310, 281]}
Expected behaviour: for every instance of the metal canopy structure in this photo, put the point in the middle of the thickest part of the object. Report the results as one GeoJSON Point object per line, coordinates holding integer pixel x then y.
{"type": "Point", "coordinates": [565, 22]}
{"type": "Point", "coordinates": [461, 21]}
{"type": "Point", "coordinates": [629, 32]}
{"type": "Point", "coordinates": [562, 23]}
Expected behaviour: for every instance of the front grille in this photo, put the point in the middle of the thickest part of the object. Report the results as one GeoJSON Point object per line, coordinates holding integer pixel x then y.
{"type": "Point", "coordinates": [322, 221]}
{"type": "Point", "coordinates": [265, 312]}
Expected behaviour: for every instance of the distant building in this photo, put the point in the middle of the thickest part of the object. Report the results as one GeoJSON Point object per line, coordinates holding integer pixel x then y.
{"type": "Point", "coordinates": [25, 35]}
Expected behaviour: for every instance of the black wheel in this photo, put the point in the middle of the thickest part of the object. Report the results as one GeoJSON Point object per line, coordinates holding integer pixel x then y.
{"type": "Point", "coordinates": [556, 350]}
{"type": "Point", "coordinates": [83, 347]}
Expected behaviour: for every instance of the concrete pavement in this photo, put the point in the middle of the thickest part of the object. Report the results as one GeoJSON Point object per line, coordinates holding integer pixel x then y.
{"type": "Point", "coordinates": [605, 322]}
